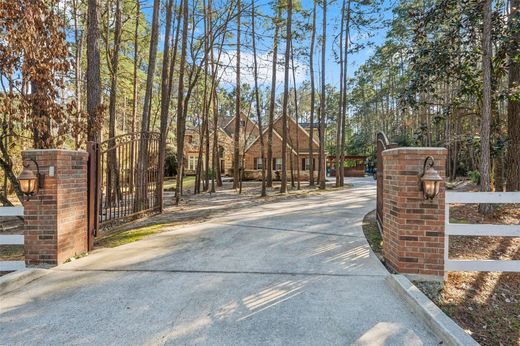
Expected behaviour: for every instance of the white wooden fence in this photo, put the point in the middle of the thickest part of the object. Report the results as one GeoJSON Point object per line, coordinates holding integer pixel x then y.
{"type": "Point", "coordinates": [480, 230]}
{"type": "Point", "coordinates": [11, 239]}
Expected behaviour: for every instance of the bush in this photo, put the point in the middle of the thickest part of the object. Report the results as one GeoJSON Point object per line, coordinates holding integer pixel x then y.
{"type": "Point", "coordinates": [474, 176]}
{"type": "Point", "coordinates": [170, 164]}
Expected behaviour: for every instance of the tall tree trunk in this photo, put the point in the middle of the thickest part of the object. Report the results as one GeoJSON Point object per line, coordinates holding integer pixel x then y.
{"type": "Point", "coordinates": [257, 99]}
{"type": "Point", "coordinates": [297, 120]}
{"type": "Point", "coordinates": [313, 96]}
{"type": "Point", "coordinates": [485, 126]}
{"type": "Point", "coordinates": [135, 94]}
{"type": "Point", "coordinates": [236, 136]}
{"type": "Point", "coordinates": [152, 58]}
{"type": "Point", "coordinates": [323, 100]}
{"type": "Point", "coordinates": [198, 169]}
{"type": "Point", "coordinates": [272, 99]}
{"type": "Point", "coordinates": [288, 34]}
{"type": "Point", "coordinates": [215, 159]}
{"type": "Point", "coordinates": [113, 188]}
{"type": "Point", "coordinates": [340, 108]}
{"type": "Point", "coordinates": [165, 102]}
{"type": "Point", "coordinates": [180, 104]}
{"type": "Point", "coordinates": [216, 153]}
{"type": "Point", "coordinates": [214, 68]}
{"type": "Point", "coordinates": [93, 74]}
{"type": "Point", "coordinates": [77, 70]}
{"type": "Point", "coordinates": [145, 121]}
{"type": "Point", "coordinates": [513, 106]}
{"type": "Point", "coordinates": [344, 98]}
{"type": "Point", "coordinates": [207, 100]}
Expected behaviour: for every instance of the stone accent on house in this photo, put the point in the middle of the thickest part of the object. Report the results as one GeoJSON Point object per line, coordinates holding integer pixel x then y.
{"type": "Point", "coordinates": [56, 216]}
{"type": "Point", "coordinates": [413, 228]}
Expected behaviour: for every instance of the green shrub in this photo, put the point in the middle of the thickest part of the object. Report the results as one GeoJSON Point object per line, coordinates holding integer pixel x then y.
{"type": "Point", "coordinates": [474, 176]}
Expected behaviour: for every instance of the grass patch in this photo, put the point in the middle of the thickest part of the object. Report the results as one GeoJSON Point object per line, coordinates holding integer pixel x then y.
{"type": "Point", "coordinates": [372, 233]}
{"type": "Point", "coordinates": [187, 183]}
{"type": "Point", "coordinates": [129, 236]}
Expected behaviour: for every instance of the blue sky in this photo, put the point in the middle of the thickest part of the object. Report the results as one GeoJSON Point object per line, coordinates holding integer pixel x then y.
{"type": "Point", "coordinates": [332, 68]}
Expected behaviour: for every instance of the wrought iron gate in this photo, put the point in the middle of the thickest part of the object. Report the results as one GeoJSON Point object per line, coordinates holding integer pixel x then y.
{"type": "Point", "coordinates": [381, 145]}
{"type": "Point", "coordinates": [123, 181]}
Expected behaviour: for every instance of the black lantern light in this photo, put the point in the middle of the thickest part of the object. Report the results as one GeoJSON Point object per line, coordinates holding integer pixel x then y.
{"type": "Point", "coordinates": [430, 180]}
{"type": "Point", "coordinates": [30, 182]}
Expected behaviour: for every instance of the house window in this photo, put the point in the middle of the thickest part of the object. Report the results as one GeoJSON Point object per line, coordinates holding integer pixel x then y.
{"type": "Point", "coordinates": [258, 163]}
{"type": "Point", "coordinates": [306, 163]}
{"type": "Point", "coordinates": [277, 164]}
{"type": "Point", "coordinates": [192, 163]}
{"type": "Point", "coordinates": [242, 123]}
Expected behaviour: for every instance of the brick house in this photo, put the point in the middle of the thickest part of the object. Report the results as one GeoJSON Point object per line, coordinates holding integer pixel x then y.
{"type": "Point", "coordinates": [248, 133]}
{"type": "Point", "coordinates": [249, 144]}
{"type": "Point", "coordinates": [297, 145]}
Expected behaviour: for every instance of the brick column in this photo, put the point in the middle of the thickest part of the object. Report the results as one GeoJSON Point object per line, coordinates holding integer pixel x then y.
{"type": "Point", "coordinates": [56, 216]}
{"type": "Point", "coordinates": [413, 228]}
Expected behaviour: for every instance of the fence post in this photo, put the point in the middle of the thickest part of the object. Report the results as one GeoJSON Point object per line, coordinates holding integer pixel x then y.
{"type": "Point", "coordinates": [413, 227]}
{"type": "Point", "coordinates": [55, 217]}
{"type": "Point", "coordinates": [93, 192]}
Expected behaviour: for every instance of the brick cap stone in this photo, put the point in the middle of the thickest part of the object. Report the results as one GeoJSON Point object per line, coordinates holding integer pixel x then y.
{"type": "Point", "coordinates": [54, 151]}
{"type": "Point", "coordinates": [415, 150]}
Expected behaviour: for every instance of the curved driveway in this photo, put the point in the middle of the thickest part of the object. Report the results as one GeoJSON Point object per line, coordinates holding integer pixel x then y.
{"type": "Point", "coordinates": [296, 272]}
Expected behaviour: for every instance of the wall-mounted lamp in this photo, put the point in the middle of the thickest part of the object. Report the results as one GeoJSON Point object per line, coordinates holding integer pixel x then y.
{"type": "Point", "coordinates": [29, 182]}
{"type": "Point", "coordinates": [430, 180]}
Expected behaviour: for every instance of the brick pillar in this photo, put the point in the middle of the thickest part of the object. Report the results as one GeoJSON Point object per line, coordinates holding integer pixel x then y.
{"type": "Point", "coordinates": [413, 228]}
{"type": "Point", "coordinates": [56, 216]}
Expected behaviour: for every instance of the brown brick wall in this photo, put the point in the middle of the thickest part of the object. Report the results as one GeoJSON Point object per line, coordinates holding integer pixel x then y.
{"type": "Point", "coordinates": [255, 152]}
{"type": "Point", "coordinates": [296, 133]}
{"type": "Point", "coordinates": [413, 228]}
{"type": "Point", "coordinates": [56, 217]}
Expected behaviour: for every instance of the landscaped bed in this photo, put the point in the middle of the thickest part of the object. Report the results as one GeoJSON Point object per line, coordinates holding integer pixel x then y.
{"type": "Point", "coordinates": [485, 304]}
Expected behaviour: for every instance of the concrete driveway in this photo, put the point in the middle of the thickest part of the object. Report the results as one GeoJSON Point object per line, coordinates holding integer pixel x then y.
{"type": "Point", "coordinates": [297, 272]}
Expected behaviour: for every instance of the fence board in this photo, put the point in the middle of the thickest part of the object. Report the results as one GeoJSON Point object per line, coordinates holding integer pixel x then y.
{"type": "Point", "coordinates": [8, 266]}
{"type": "Point", "coordinates": [11, 211]}
{"type": "Point", "coordinates": [480, 230]}
{"type": "Point", "coordinates": [483, 230]}
{"type": "Point", "coordinates": [482, 197]}
{"type": "Point", "coordinates": [11, 239]}
{"type": "Point", "coordinates": [483, 265]}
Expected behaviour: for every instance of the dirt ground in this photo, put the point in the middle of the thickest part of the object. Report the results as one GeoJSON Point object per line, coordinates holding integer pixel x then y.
{"type": "Point", "coordinates": [485, 304]}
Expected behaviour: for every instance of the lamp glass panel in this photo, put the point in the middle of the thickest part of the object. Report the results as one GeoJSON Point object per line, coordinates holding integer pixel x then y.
{"type": "Point", "coordinates": [429, 188]}
{"type": "Point", "coordinates": [437, 188]}
{"type": "Point", "coordinates": [27, 185]}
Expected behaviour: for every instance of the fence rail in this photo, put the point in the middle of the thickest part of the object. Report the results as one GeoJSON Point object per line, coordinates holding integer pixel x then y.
{"type": "Point", "coordinates": [11, 211]}
{"type": "Point", "coordinates": [11, 239]}
{"type": "Point", "coordinates": [485, 230]}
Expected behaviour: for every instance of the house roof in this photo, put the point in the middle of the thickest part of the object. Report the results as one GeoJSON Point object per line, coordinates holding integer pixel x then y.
{"type": "Point", "coordinates": [242, 114]}
{"type": "Point", "coordinates": [300, 127]}
{"type": "Point", "coordinates": [277, 135]}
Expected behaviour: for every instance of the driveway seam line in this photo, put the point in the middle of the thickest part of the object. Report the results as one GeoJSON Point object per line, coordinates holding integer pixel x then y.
{"type": "Point", "coordinates": [286, 230]}
{"type": "Point", "coordinates": [181, 271]}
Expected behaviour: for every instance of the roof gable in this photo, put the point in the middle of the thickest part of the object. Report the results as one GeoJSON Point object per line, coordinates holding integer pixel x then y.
{"type": "Point", "coordinates": [301, 132]}
{"type": "Point", "coordinates": [230, 129]}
